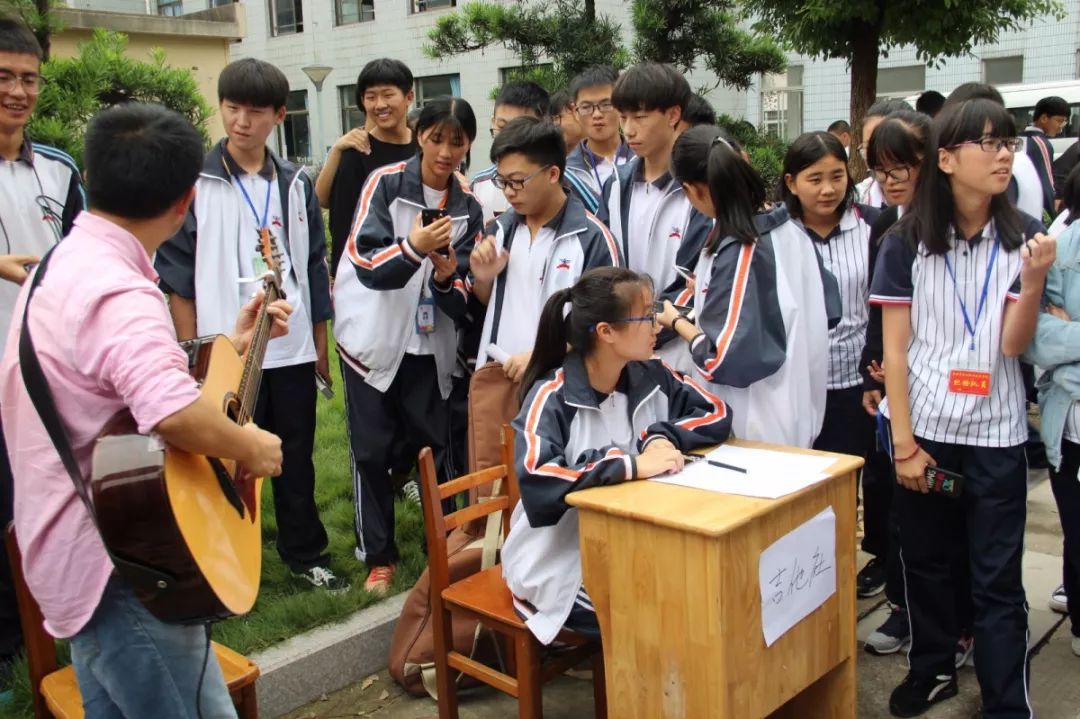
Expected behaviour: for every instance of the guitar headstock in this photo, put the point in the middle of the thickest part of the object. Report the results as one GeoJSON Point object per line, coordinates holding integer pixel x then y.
{"type": "Point", "coordinates": [272, 256]}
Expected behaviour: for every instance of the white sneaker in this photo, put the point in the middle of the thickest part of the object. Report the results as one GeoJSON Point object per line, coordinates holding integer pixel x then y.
{"type": "Point", "coordinates": [1076, 646]}
{"type": "Point", "coordinates": [411, 491]}
{"type": "Point", "coordinates": [323, 578]}
{"type": "Point", "coordinates": [1059, 600]}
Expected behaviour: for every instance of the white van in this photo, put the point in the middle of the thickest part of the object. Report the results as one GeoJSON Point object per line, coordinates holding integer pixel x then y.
{"type": "Point", "coordinates": [1020, 100]}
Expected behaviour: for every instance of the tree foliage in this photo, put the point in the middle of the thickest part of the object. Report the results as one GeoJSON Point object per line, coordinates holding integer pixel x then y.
{"type": "Point", "coordinates": [703, 34]}
{"type": "Point", "coordinates": [562, 32]}
{"type": "Point", "coordinates": [103, 75]}
{"type": "Point", "coordinates": [36, 15]}
{"type": "Point", "coordinates": [859, 31]}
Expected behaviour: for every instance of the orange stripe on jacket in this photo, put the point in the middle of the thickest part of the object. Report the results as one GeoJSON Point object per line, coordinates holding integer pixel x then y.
{"type": "Point", "coordinates": [361, 215]}
{"type": "Point", "coordinates": [738, 294]}
{"type": "Point", "coordinates": [613, 247]}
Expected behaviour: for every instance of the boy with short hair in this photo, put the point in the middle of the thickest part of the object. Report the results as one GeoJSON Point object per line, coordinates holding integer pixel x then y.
{"type": "Point", "coordinates": [105, 343]}
{"type": "Point", "coordinates": [518, 98]}
{"type": "Point", "coordinates": [564, 115]}
{"type": "Point", "coordinates": [841, 130]}
{"type": "Point", "coordinates": [40, 195]}
{"type": "Point", "coordinates": [384, 89]}
{"type": "Point", "coordinates": [244, 191]}
{"type": "Point", "coordinates": [595, 158]}
{"type": "Point", "coordinates": [644, 205]}
{"type": "Point", "coordinates": [1048, 120]}
{"type": "Point", "coordinates": [543, 244]}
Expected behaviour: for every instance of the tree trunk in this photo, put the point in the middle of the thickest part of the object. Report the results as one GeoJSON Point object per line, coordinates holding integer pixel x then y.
{"type": "Point", "coordinates": [590, 11]}
{"type": "Point", "coordinates": [864, 67]}
{"type": "Point", "coordinates": [43, 31]}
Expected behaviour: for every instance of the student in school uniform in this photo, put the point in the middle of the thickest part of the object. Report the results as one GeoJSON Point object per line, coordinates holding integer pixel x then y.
{"type": "Point", "coordinates": [644, 205]}
{"type": "Point", "coordinates": [841, 130]}
{"type": "Point", "coordinates": [543, 244]}
{"type": "Point", "coordinates": [818, 193]}
{"type": "Point", "coordinates": [244, 192]}
{"type": "Point", "coordinates": [518, 98]}
{"type": "Point", "coordinates": [1047, 121]}
{"type": "Point", "coordinates": [698, 112]}
{"type": "Point", "coordinates": [960, 279]}
{"type": "Point", "coordinates": [562, 113]}
{"type": "Point", "coordinates": [593, 160]}
{"type": "Point", "coordinates": [1054, 351]}
{"type": "Point", "coordinates": [384, 88]}
{"type": "Point", "coordinates": [601, 413]}
{"type": "Point", "coordinates": [868, 192]}
{"type": "Point", "coordinates": [760, 336]}
{"type": "Point", "coordinates": [396, 302]}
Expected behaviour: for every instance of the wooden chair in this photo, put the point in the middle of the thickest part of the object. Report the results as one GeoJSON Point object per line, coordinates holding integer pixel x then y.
{"type": "Point", "coordinates": [484, 597]}
{"type": "Point", "coordinates": [56, 691]}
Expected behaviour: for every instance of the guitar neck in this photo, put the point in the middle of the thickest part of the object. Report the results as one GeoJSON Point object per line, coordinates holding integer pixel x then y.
{"type": "Point", "coordinates": [256, 352]}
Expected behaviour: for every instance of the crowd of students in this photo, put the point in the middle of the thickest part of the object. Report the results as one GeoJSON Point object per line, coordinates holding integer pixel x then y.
{"type": "Point", "coordinates": [627, 267]}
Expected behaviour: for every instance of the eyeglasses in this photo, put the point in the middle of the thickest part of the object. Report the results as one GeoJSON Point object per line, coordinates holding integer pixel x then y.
{"type": "Point", "coordinates": [587, 108]}
{"type": "Point", "coordinates": [32, 84]}
{"type": "Point", "coordinates": [897, 174]}
{"type": "Point", "coordinates": [650, 318]}
{"type": "Point", "coordinates": [993, 144]}
{"type": "Point", "coordinates": [502, 183]}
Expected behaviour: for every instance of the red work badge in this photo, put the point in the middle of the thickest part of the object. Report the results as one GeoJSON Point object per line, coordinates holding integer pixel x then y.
{"type": "Point", "coordinates": [970, 381]}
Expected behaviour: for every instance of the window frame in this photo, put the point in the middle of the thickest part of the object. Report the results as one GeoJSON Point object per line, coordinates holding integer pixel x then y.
{"type": "Point", "coordinates": [361, 4]}
{"type": "Point", "coordinates": [346, 98]}
{"type": "Point", "coordinates": [298, 18]}
{"type": "Point", "coordinates": [420, 99]}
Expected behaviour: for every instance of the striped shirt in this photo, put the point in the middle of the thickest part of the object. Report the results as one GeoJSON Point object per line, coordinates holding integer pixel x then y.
{"type": "Point", "coordinates": [845, 253]}
{"type": "Point", "coordinates": [940, 341]}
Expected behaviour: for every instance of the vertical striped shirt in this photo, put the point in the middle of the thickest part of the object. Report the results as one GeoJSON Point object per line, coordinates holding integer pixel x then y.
{"type": "Point", "coordinates": [940, 341]}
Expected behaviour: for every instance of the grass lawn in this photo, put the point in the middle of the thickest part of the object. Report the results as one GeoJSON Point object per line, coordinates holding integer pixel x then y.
{"type": "Point", "coordinates": [288, 606]}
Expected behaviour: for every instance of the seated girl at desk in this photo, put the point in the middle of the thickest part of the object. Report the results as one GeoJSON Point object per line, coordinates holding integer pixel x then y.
{"type": "Point", "coordinates": [761, 335]}
{"type": "Point", "coordinates": [602, 413]}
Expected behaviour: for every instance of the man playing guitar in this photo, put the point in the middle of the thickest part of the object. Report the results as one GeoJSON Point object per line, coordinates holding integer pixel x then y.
{"type": "Point", "coordinates": [105, 342]}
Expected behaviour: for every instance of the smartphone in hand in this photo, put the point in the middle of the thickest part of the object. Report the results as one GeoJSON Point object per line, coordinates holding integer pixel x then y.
{"type": "Point", "coordinates": [431, 214]}
{"type": "Point", "coordinates": [323, 386]}
{"type": "Point", "coordinates": [944, 482]}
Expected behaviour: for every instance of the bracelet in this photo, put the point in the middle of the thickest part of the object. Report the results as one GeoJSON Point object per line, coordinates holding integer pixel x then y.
{"type": "Point", "coordinates": [676, 321]}
{"type": "Point", "coordinates": [904, 459]}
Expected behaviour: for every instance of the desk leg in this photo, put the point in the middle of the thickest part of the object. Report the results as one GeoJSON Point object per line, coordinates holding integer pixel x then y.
{"type": "Point", "coordinates": [830, 697]}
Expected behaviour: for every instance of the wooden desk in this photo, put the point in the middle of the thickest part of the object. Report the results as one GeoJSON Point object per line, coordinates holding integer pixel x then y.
{"type": "Point", "coordinates": [673, 574]}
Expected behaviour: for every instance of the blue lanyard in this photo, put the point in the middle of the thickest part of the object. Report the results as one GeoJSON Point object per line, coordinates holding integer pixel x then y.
{"type": "Point", "coordinates": [982, 297]}
{"type": "Point", "coordinates": [266, 206]}
{"type": "Point", "coordinates": [619, 151]}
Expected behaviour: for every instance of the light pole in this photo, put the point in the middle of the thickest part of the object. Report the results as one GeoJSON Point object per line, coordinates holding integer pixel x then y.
{"type": "Point", "coordinates": [318, 73]}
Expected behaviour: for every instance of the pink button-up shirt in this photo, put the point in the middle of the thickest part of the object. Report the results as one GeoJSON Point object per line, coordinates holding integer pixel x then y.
{"type": "Point", "coordinates": [105, 342]}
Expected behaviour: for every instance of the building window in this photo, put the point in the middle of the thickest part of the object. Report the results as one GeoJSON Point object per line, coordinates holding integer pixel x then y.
{"type": "Point", "coordinates": [352, 116]}
{"type": "Point", "coordinates": [1003, 70]}
{"type": "Point", "coordinates": [425, 5]}
{"type": "Point", "coordinates": [434, 86]}
{"type": "Point", "coordinates": [219, 3]}
{"type": "Point", "coordinates": [347, 12]}
{"type": "Point", "coordinates": [286, 17]}
{"type": "Point", "coordinates": [296, 130]}
{"type": "Point", "coordinates": [782, 103]}
{"type": "Point", "coordinates": [172, 8]}
{"type": "Point", "coordinates": [901, 81]}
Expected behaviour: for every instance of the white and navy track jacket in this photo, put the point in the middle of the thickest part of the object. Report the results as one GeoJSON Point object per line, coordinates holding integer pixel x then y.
{"type": "Point", "coordinates": [377, 292]}
{"type": "Point", "coordinates": [580, 168]}
{"type": "Point", "coordinates": [845, 253]}
{"type": "Point", "coordinates": [764, 317]}
{"type": "Point", "coordinates": [582, 242]}
{"type": "Point", "coordinates": [495, 203]}
{"type": "Point", "coordinates": [673, 226]}
{"type": "Point", "coordinates": [563, 444]}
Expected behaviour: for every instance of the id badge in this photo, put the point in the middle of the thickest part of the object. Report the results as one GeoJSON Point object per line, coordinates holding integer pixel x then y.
{"type": "Point", "coordinates": [425, 316]}
{"type": "Point", "coordinates": [972, 380]}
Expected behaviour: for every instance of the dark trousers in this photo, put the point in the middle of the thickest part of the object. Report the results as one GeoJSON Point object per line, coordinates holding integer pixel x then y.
{"type": "Point", "coordinates": [286, 407]}
{"type": "Point", "coordinates": [881, 535]}
{"type": "Point", "coordinates": [991, 512]}
{"type": "Point", "coordinates": [847, 428]}
{"type": "Point", "coordinates": [10, 628]}
{"type": "Point", "coordinates": [412, 408]}
{"type": "Point", "coordinates": [1067, 494]}
{"type": "Point", "coordinates": [459, 426]}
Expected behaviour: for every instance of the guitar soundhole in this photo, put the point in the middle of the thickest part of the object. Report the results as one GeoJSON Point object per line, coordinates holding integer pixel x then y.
{"type": "Point", "coordinates": [232, 407]}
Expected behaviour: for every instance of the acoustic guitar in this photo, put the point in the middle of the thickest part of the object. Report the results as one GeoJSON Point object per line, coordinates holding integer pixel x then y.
{"type": "Point", "coordinates": [185, 529]}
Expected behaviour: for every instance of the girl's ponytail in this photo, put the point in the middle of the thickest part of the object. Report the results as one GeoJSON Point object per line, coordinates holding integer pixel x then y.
{"type": "Point", "coordinates": [552, 337]}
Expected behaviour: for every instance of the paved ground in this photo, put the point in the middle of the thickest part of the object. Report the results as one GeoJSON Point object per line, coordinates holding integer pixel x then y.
{"type": "Point", "coordinates": [1055, 672]}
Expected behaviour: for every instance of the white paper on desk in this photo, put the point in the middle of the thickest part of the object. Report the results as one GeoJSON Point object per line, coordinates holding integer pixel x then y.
{"type": "Point", "coordinates": [769, 474]}
{"type": "Point", "coordinates": [797, 573]}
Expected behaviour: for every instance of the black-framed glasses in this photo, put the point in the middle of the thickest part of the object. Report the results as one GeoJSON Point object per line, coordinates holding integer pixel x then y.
{"type": "Point", "coordinates": [650, 318]}
{"type": "Point", "coordinates": [587, 108]}
{"type": "Point", "coordinates": [993, 144]}
{"type": "Point", "coordinates": [31, 82]}
{"type": "Point", "coordinates": [516, 185]}
{"type": "Point", "coordinates": [896, 174]}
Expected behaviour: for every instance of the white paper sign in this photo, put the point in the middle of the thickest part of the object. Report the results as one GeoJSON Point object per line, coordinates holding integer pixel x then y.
{"type": "Point", "coordinates": [797, 573]}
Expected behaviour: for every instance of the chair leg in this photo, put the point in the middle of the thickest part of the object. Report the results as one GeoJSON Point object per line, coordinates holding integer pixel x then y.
{"type": "Point", "coordinates": [530, 696]}
{"type": "Point", "coordinates": [444, 679]}
{"type": "Point", "coordinates": [248, 707]}
{"type": "Point", "coordinates": [599, 686]}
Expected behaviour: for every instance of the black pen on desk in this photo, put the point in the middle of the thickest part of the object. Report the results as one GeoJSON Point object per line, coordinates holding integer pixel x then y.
{"type": "Point", "coordinates": [721, 465]}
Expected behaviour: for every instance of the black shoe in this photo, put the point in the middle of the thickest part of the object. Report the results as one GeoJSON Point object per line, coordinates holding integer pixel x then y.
{"type": "Point", "coordinates": [871, 579]}
{"type": "Point", "coordinates": [917, 693]}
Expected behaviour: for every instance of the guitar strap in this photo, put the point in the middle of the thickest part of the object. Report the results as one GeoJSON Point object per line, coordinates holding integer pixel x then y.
{"type": "Point", "coordinates": [143, 579]}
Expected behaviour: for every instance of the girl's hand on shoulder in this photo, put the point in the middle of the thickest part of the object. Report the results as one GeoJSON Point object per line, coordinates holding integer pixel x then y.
{"type": "Point", "coordinates": [1038, 253]}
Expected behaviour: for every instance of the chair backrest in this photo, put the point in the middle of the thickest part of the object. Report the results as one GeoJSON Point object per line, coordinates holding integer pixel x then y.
{"type": "Point", "coordinates": [40, 646]}
{"type": "Point", "coordinates": [437, 524]}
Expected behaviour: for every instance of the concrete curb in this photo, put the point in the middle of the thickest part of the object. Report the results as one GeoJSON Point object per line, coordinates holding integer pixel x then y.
{"type": "Point", "coordinates": [301, 669]}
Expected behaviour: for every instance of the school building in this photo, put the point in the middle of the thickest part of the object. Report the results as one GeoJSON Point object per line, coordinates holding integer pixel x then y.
{"type": "Point", "coordinates": [330, 40]}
